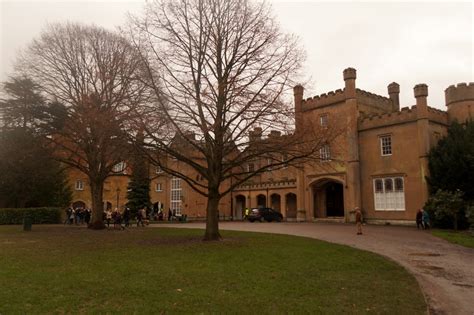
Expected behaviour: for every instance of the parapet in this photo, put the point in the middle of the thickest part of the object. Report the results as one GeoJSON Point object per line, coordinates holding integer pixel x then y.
{"type": "Point", "coordinates": [405, 115]}
{"type": "Point", "coordinates": [375, 121]}
{"type": "Point", "coordinates": [373, 100]}
{"type": "Point", "coordinates": [459, 93]}
{"type": "Point", "coordinates": [324, 99]}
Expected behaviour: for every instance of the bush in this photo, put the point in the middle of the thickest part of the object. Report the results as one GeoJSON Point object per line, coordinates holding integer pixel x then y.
{"type": "Point", "coordinates": [38, 215]}
{"type": "Point", "coordinates": [447, 210]}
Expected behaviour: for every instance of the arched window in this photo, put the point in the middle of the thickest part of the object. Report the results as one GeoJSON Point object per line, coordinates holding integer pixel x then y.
{"type": "Point", "coordinates": [378, 186]}
{"type": "Point", "coordinates": [388, 185]}
{"type": "Point", "coordinates": [398, 184]}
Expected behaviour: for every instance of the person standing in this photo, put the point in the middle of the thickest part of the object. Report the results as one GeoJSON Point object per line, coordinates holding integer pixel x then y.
{"type": "Point", "coordinates": [126, 217]}
{"type": "Point", "coordinates": [358, 218]}
{"type": "Point", "coordinates": [419, 219]}
{"type": "Point", "coordinates": [247, 212]}
{"type": "Point", "coordinates": [426, 219]}
{"type": "Point", "coordinates": [108, 217]}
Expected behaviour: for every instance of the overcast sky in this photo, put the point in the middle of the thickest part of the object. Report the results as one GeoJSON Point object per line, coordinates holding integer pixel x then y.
{"type": "Point", "coordinates": [405, 42]}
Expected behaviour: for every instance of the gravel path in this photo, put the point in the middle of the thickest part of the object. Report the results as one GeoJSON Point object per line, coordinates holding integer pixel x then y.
{"type": "Point", "coordinates": [444, 271]}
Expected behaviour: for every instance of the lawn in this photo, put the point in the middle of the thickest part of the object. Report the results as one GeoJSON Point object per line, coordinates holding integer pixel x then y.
{"type": "Point", "coordinates": [463, 238]}
{"type": "Point", "coordinates": [57, 269]}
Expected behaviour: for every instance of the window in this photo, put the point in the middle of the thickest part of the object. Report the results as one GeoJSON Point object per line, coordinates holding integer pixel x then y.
{"type": "Point", "coordinates": [158, 187]}
{"type": "Point", "coordinates": [250, 167]}
{"type": "Point", "coordinates": [176, 195]}
{"type": "Point", "coordinates": [269, 162]}
{"type": "Point", "coordinates": [119, 167]}
{"type": "Point", "coordinates": [389, 194]}
{"type": "Point", "coordinates": [323, 120]}
{"type": "Point", "coordinates": [386, 145]}
{"type": "Point", "coordinates": [325, 153]}
{"type": "Point", "coordinates": [79, 185]}
{"type": "Point", "coordinates": [158, 170]}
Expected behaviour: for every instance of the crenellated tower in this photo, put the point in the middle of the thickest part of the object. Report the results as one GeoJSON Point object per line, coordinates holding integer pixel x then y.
{"type": "Point", "coordinates": [460, 101]}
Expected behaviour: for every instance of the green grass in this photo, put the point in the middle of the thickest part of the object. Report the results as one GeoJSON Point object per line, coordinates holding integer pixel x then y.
{"type": "Point", "coordinates": [56, 269]}
{"type": "Point", "coordinates": [463, 238]}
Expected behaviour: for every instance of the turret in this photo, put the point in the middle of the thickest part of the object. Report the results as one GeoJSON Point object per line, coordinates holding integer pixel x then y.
{"type": "Point", "coordinates": [298, 92]}
{"type": "Point", "coordinates": [421, 94]}
{"type": "Point", "coordinates": [394, 92]}
{"type": "Point", "coordinates": [460, 101]}
{"type": "Point", "coordinates": [350, 75]}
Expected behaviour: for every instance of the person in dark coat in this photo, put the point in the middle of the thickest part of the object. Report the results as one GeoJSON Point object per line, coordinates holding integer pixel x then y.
{"type": "Point", "coordinates": [126, 217]}
{"type": "Point", "coordinates": [419, 219]}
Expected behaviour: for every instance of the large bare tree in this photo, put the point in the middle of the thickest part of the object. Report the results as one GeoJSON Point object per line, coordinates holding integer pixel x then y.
{"type": "Point", "coordinates": [218, 69]}
{"type": "Point", "coordinates": [91, 75]}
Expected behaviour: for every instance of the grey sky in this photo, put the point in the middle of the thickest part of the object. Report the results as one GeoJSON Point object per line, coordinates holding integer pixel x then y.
{"type": "Point", "coordinates": [406, 42]}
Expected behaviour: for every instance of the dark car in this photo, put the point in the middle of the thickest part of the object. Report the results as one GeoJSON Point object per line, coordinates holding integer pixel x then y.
{"type": "Point", "coordinates": [267, 214]}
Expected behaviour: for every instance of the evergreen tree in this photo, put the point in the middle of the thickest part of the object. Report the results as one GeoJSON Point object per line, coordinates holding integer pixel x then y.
{"type": "Point", "coordinates": [30, 177]}
{"type": "Point", "coordinates": [451, 163]}
{"type": "Point", "coordinates": [138, 193]}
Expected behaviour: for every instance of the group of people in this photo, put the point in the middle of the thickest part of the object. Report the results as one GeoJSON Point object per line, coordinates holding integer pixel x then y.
{"type": "Point", "coordinates": [77, 215]}
{"type": "Point", "coordinates": [117, 218]}
{"type": "Point", "coordinates": [422, 219]}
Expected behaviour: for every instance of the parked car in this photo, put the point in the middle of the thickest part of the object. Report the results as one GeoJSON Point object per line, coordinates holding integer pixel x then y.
{"type": "Point", "coordinates": [267, 214]}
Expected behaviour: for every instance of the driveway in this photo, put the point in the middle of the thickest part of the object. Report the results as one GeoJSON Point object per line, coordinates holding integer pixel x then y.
{"type": "Point", "coordinates": [444, 271]}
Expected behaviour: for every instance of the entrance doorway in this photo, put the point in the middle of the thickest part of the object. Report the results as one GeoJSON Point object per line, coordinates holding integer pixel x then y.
{"type": "Point", "coordinates": [275, 202]}
{"type": "Point", "coordinates": [239, 207]}
{"type": "Point", "coordinates": [261, 201]}
{"type": "Point", "coordinates": [328, 199]}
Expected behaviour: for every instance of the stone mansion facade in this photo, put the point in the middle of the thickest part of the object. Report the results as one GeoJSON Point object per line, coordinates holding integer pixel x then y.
{"type": "Point", "coordinates": [379, 163]}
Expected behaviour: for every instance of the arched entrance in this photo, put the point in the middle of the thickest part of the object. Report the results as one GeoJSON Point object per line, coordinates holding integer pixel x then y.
{"type": "Point", "coordinates": [275, 202]}
{"type": "Point", "coordinates": [78, 204]}
{"type": "Point", "coordinates": [328, 199]}
{"type": "Point", "coordinates": [261, 201]}
{"type": "Point", "coordinates": [239, 206]}
{"type": "Point", "coordinates": [291, 206]}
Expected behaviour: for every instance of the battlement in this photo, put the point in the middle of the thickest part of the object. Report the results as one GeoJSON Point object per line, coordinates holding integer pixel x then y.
{"type": "Point", "coordinates": [324, 99]}
{"type": "Point", "coordinates": [406, 114]}
{"type": "Point", "coordinates": [437, 115]}
{"type": "Point", "coordinates": [373, 100]}
{"type": "Point", "coordinates": [459, 93]}
{"type": "Point", "coordinates": [373, 121]}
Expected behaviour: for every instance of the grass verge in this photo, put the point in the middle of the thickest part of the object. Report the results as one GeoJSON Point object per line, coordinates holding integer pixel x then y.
{"type": "Point", "coordinates": [463, 238]}
{"type": "Point", "coordinates": [56, 269]}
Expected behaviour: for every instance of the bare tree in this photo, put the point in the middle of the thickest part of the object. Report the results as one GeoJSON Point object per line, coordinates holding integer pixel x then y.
{"type": "Point", "coordinates": [219, 69]}
{"type": "Point", "coordinates": [91, 75]}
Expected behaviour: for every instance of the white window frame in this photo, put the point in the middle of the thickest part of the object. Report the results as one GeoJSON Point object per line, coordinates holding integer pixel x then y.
{"type": "Point", "coordinates": [119, 167]}
{"type": "Point", "coordinates": [323, 120]}
{"type": "Point", "coordinates": [176, 195]}
{"type": "Point", "coordinates": [158, 187]}
{"type": "Point", "coordinates": [325, 153]}
{"type": "Point", "coordinates": [386, 145]}
{"type": "Point", "coordinates": [388, 199]}
{"type": "Point", "coordinates": [158, 170]}
{"type": "Point", "coordinates": [79, 184]}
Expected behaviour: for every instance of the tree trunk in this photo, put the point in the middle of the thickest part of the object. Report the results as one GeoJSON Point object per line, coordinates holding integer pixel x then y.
{"type": "Point", "coordinates": [97, 222]}
{"type": "Point", "coordinates": [212, 221]}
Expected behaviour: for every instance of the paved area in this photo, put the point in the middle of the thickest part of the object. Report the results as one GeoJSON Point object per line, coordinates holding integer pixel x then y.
{"type": "Point", "coordinates": [444, 271]}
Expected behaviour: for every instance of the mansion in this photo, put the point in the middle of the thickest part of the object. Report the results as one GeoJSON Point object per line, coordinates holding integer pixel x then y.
{"type": "Point", "coordinates": [378, 163]}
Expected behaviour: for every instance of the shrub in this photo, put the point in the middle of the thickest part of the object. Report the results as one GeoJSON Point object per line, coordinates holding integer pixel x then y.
{"type": "Point", "coordinates": [38, 215]}
{"type": "Point", "coordinates": [447, 210]}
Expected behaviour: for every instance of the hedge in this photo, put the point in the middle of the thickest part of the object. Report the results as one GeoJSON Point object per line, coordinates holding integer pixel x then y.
{"type": "Point", "coordinates": [38, 215]}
